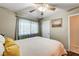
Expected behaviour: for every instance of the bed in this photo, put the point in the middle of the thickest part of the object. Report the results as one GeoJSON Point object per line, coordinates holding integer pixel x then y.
{"type": "Point", "coordinates": [39, 46]}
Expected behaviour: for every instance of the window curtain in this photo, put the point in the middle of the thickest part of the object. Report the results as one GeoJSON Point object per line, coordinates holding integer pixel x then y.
{"type": "Point", "coordinates": [26, 28]}
{"type": "Point", "coordinates": [17, 29]}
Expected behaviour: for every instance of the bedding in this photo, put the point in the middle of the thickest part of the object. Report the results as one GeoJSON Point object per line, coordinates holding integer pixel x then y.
{"type": "Point", "coordinates": [1, 49]}
{"type": "Point", "coordinates": [39, 46]}
{"type": "Point", "coordinates": [11, 48]}
{"type": "Point", "coordinates": [2, 41]}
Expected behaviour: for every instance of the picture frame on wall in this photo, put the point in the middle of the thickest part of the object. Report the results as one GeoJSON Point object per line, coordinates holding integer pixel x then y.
{"type": "Point", "coordinates": [57, 22]}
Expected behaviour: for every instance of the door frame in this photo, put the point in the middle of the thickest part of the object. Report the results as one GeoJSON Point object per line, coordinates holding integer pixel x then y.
{"type": "Point", "coordinates": [69, 29]}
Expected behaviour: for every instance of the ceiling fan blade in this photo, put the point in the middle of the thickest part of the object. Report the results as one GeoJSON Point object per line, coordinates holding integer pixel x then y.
{"type": "Point", "coordinates": [32, 10]}
{"type": "Point", "coordinates": [52, 8]}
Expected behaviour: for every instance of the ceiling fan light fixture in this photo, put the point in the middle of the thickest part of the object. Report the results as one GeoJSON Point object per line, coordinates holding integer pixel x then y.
{"type": "Point", "coordinates": [42, 9]}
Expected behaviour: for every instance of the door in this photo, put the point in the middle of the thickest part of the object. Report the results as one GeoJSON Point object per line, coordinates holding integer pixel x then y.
{"type": "Point", "coordinates": [74, 33]}
{"type": "Point", "coordinates": [46, 28]}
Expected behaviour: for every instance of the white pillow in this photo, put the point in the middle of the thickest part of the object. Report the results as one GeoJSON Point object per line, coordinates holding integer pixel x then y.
{"type": "Point", "coordinates": [1, 49]}
{"type": "Point", "coordinates": [2, 39]}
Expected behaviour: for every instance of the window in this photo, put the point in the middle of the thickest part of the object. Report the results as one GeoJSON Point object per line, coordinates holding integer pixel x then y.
{"type": "Point", "coordinates": [24, 27]}
{"type": "Point", "coordinates": [27, 27]}
{"type": "Point", "coordinates": [34, 27]}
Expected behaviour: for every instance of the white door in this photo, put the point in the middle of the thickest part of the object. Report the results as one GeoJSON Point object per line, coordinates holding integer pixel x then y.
{"type": "Point", "coordinates": [46, 28]}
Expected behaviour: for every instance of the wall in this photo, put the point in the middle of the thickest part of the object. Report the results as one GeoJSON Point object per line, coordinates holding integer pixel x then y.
{"type": "Point", "coordinates": [7, 22]}
{"type": "Point", "coordinates": [61, 33]}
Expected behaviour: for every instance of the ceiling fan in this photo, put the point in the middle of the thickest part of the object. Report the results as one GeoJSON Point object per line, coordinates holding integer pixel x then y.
{"type": "Point", "coordinates": [42, 7]}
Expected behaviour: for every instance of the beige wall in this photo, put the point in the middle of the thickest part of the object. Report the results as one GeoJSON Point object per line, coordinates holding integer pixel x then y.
{"type": "Point", "coordinates": [7, 22]}
{"type": "Point", "coordinates": [61, 33]}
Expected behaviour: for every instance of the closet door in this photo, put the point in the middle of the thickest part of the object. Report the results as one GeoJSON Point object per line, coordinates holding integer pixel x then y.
{"type": "Point", "coordinates": [74, 33]}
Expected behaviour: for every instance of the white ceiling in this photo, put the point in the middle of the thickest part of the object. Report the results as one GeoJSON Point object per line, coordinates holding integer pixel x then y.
{"type": "Point", "coordinates": [23, 8]}
{"type": "Point", "coordinates": [66, 6]}
{"type": "Point", "coordinates": [15, 6]}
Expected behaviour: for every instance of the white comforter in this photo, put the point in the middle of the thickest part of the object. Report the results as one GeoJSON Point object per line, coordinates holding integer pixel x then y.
{"type": "Point", "coordinates": [39, 46]}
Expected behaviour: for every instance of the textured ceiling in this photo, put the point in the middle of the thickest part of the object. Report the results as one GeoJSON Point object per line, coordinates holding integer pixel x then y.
{"type": "Point", "coordinates": [22, 9]}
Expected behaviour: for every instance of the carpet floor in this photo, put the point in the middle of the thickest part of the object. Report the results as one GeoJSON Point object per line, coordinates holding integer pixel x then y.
{"type": "Point", "coordinates": [70, 53]}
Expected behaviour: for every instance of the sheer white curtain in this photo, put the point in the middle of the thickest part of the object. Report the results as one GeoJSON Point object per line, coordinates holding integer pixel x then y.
{"type": "Point", "coordinates": [27, 27]}
{"type": "Point", "coordinates": [34, 27]}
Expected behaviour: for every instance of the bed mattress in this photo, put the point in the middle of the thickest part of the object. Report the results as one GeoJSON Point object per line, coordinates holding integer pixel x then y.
{"type": "Point", "coordinates": [39, 46]}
